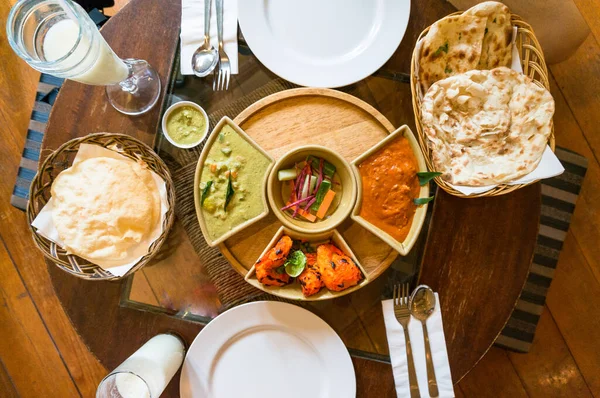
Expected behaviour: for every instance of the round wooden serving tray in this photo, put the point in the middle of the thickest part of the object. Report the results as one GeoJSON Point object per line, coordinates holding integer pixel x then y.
{"type": "Point", "coordinates": [286, 120]}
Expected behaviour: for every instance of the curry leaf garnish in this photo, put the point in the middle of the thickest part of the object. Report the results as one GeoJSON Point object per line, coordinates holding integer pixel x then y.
{"type": "Point", "coordinates": [205, 191]}
{"type": "Point", "coordinates": [448, 70]}
{"type": "Point", "coordinates": [229, 193]}
{"type": "Point", "coordinates": [426, 176]}
{"type": "Point", "coordinates": [422, 201]}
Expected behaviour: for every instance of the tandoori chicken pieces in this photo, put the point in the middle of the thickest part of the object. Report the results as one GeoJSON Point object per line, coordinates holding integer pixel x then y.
{"type": "Point", "coordinates": [338, 271]}
{"type": "Point", "coordinates": [328, 267]}
{"type": "Point", "coordinates": [266, 267]}
{"type": "Point", "coordinates": [310, 279]}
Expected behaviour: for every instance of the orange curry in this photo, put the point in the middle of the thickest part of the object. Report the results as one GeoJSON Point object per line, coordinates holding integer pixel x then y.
{"type": "Point", "coordinates": [389, 185]}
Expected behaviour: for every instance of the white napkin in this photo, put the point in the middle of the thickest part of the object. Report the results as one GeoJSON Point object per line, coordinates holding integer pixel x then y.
{"type": "Point", "coordinates": [549, 166]}
{"type": "Point", "coordinates": [395, 337]}
{"type": "Point", "coordinates": [192, 31]}
{"type": "Point", "coordinates": [45, 226]}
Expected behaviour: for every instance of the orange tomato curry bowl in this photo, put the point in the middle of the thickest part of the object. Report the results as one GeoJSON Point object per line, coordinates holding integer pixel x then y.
{"type": "Point", "coordinates": [387, 176]}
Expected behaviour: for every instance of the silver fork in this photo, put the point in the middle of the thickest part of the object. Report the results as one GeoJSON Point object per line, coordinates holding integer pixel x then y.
{"type": "Point", "coordinates": [402, 313]}
{"type": "Point", "coordinates": [223, 72]}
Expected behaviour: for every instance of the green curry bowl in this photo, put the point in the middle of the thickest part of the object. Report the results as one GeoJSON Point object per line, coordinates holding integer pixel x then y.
{"type": "Point", "coordinates": [185, 124]}
{"type": "Point", "coordinates": [230, 181]}
{"type": "Point", "coordinates": [296, 195]}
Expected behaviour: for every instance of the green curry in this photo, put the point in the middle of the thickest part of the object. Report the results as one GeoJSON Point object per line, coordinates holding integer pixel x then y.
{"type": "Point", "coordinates": [231, 185]}
{"type": "Point", "coordinates": [186, 125]}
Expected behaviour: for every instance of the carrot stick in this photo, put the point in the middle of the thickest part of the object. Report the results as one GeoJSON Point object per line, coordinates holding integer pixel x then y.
{"type": "Point", "coordinates": [304, 213]}
{"type": "Point", "coordinates": [325, 204]}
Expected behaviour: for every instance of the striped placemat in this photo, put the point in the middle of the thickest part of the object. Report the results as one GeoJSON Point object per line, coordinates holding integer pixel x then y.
{"type": "Point", "coordinates": [559, 195]}
{"type": "Point", "coordinates": [47, 91]}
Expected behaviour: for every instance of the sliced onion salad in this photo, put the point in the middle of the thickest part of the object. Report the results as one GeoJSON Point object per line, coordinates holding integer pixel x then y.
{"type": "Point", "coordinates": [308, 193]}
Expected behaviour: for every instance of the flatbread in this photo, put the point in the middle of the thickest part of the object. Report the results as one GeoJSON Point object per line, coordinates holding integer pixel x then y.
{"type": "Point", "coordinates": [496, 49]}
{"type": "Point", "coordinates": [452, 46]}
{"type": "Point", "coordinates": [487, 127]}
{"type": "Point", "coordinates": [102, 207]}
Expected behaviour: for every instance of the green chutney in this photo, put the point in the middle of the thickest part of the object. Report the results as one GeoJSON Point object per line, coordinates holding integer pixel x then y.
{"type": "Point", "coordinates": [186, 125]}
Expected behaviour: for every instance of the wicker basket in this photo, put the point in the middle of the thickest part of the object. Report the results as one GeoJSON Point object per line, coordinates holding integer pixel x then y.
{"type": "Point", "coordinates": [62, 158]}
{"type": "Point", "coordinates": [534, 66]}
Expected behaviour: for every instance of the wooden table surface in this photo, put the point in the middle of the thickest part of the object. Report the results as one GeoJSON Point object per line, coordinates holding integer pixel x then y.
{"type": "Point", "coordinates": [477, 256]}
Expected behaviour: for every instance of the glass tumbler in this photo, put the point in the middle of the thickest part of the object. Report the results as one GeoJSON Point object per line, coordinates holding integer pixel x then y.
{"type": "Point", "coordinates": [147, 372]}
{"type": "Point", "coordinates": [59, 38]}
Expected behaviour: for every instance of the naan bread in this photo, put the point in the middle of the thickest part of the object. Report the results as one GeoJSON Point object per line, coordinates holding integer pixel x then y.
{"type": "Point", "coordinates": [496, 49]}
{"type": "Point", "coordinates": [452, 46]}
{"type": "Point", "coordinates": [102, 207]}
{"type": "Point", "coordinates": [487, 127]}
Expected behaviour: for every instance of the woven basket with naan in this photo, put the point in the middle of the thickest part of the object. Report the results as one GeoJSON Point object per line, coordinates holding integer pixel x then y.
{"type": "Point", "coordinates": [480, 38]}
{"type": "Point", "coordinates": [486, 127]}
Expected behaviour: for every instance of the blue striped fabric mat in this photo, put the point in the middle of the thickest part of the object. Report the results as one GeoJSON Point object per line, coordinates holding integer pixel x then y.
{"type": "Point", "coordinates": [44, 99]}
{"type": "Point", "coordinates": [559, 195]}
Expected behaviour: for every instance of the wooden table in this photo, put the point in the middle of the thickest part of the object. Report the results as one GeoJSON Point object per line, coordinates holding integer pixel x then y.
{"type": "Point", "coordinates": [477, 256]}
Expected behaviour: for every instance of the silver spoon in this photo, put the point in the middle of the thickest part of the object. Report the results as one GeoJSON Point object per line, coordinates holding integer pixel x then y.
{"type": "Point", "coordinates": [205, 57]}
{"type": "Point", "coordinates": [422, 304]}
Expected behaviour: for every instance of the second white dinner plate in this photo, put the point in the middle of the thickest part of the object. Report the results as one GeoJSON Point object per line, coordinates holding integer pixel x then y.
{"type": "Point", "coordinates": [267, 349]}
{"type": "Point", "coordinates": [320, 43]}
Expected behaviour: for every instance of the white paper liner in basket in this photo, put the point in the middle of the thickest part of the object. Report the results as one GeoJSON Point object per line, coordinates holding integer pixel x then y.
{"type": "Point", "coordinates": [549, 165]}
{"type": "Point", "coordinates": [45, 226]}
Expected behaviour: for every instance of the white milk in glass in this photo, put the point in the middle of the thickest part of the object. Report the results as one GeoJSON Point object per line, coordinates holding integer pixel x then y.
{"type": "Point", "coordinates": [100, 67]}
{"type": "Point", "coordinates": [155, 362]}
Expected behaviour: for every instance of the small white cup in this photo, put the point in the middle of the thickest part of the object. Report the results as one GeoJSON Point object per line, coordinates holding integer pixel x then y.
{"type": "Point", "coordinates": [168, 113]}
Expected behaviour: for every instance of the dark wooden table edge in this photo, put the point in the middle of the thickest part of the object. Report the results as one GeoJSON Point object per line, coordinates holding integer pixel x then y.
{"type": "Point", "coordinates": [539, 186]}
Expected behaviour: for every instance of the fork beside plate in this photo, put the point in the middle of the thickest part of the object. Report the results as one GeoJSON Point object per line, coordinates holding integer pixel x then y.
{"type": "Point", "coordinates": [402, 313]}
{"type": "Point", "coordinates": [223, 71]}
{"type": "Point", "coordinates": [401, 342]}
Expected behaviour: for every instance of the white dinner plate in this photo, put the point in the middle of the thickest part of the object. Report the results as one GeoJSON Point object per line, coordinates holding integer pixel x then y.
{"type": "Point", "coordinates": [267, 349]}
{"type": "Point", "coordinates": [323, 43]}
